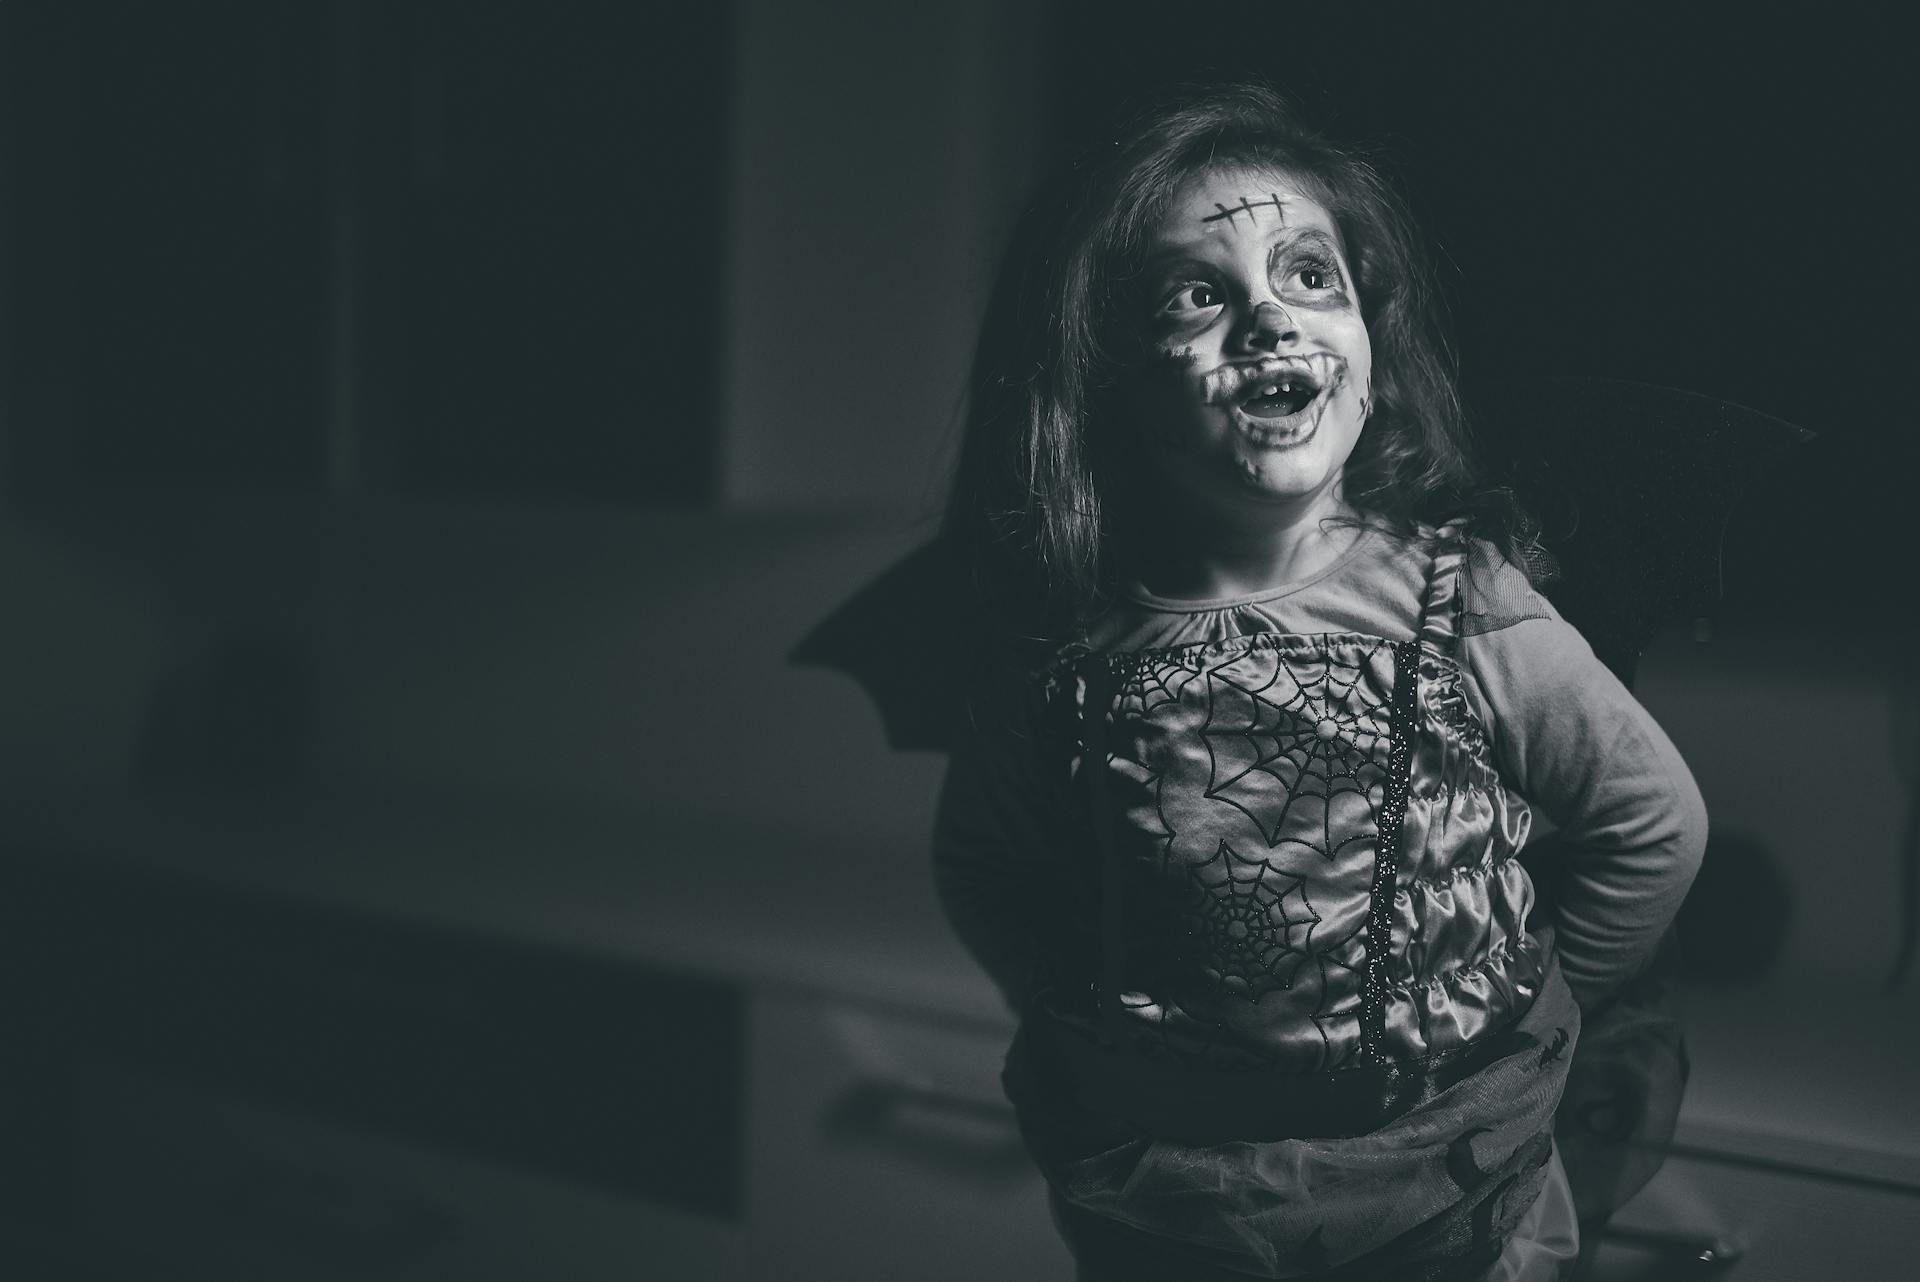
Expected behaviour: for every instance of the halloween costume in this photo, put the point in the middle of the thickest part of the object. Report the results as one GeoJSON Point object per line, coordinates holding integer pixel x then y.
{"type": "Point", "coordinates": [1248, 869]}
{"type": "Point", "coordinates": [1635, 485]}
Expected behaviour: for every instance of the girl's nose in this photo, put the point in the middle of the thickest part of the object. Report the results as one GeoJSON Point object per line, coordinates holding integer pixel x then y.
{"type": "Point", "coordinates": [1272, 327]}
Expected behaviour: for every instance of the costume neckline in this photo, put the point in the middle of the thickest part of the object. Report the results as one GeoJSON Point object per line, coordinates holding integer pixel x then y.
{"type": "Point", "coordinates": [1138, 595]}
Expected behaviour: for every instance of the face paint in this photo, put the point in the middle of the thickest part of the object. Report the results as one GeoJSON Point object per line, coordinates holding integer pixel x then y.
{"type": "Point", "coordinates": [1279, 401]}
{"type": "Point", "coordinates": [1279, 209]}
{"type": "Point", "coordinates": [1308, 255]}
{"type": "Point", "coordinates": [1263, 367]}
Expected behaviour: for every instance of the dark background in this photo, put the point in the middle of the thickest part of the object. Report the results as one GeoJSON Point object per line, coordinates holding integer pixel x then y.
{"type": "Point", "coordinates": [420, 415]}
{"type": "Point", "coordinates": [431, 248]}
{"type": "Point", "coordinates": [1707, 197]}
{"type": "Point", "coordinates": [417, 247]}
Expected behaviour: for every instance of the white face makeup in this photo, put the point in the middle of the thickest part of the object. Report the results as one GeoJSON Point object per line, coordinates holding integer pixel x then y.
{"type": "Point", "coordinates": [1263, 368]}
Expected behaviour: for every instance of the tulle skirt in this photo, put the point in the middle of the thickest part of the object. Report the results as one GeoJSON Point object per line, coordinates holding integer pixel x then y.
{"type": "Point", "coordinates": [1463, 1187]}
{"type": "Point", "coordinates": [1544, 1247]}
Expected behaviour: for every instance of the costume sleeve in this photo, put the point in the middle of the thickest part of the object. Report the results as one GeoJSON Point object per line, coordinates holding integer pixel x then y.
{"type": "Point", "coordinates": [996, 857]}
{"type": "Point", "coordinates": [1576, 744]}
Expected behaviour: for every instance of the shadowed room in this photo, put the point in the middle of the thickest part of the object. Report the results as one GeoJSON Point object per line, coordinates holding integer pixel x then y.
{"type": "Point", "coordinates": [429, 430]}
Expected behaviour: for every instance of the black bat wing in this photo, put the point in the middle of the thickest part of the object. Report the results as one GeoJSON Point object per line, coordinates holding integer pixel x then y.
{"type": "Point", "coordinates": [911, 642]}
{"type": "Point", "coordinates": [1634, 486]}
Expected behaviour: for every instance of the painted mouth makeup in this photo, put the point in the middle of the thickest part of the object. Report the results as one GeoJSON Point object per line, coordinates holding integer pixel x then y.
{"type": "Point", "coordinates": [1278, 403]}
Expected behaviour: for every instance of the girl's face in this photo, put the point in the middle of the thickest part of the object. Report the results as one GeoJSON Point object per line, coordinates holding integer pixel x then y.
{"type": "Point", "coordinates": [1260, 368]}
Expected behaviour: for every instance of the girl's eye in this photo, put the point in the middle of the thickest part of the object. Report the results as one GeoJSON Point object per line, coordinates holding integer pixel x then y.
{"type": "Point", "coordinates": [1193, 298]}
{"type": "Point", "coordinates": [1316, 276]}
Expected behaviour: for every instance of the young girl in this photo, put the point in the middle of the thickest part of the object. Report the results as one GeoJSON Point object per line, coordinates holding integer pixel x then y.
{"type": "Point", "coordinates": [1241, 850]}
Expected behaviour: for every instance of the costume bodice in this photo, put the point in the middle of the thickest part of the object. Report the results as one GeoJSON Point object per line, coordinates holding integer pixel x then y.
{"type": "Point", "coordinates": [1306, 854]}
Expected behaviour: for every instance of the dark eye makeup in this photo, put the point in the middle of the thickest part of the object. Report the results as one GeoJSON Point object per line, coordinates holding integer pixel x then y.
{"type": "Point", "coordinates": [1307, 270]}
{"type": "Point", "coordinates": [1315, 272]}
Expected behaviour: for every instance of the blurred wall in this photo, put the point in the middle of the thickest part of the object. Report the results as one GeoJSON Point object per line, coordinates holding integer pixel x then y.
{"type": "Point", "coordinates": [617, 660]}
{"type": "Point", "coordinates": [880, 152]}
{"type": "Point", "coordinates": [600, 658]}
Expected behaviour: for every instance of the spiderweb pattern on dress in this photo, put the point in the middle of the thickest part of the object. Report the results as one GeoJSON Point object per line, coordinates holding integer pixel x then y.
{"type": "Point", "coordinates": [1315, 725]}
{"type": "Point", "coordinates": [1286, 731]}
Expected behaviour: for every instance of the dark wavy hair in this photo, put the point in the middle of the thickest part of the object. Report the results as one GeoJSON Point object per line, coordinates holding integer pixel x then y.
{"type": "Point", "coordinates": [1036, 487]}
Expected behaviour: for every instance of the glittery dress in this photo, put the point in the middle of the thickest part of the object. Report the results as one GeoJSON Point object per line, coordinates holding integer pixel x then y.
{"type": "Point", "coordinates": [1295, 1017]}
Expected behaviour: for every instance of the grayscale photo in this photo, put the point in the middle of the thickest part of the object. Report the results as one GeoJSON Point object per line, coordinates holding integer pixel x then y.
{"type": "Point", "coordinates": [1008, 641]}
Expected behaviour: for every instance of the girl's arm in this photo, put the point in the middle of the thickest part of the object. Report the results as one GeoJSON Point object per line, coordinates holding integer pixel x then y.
{"type": "Point", "coordinates": [994, 859]}
{"type": "Point", "coordinates": [1576, 744]}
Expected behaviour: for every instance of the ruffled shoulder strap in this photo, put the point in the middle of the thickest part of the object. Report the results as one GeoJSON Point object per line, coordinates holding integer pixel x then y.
{"type": "Point", "coordinates": [1440, 614]}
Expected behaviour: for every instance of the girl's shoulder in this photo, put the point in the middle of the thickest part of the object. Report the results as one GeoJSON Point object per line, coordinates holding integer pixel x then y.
{"type": "Point", "coordinates": [1380, 586]}
{"type": "Point", "coordinates": [1496, 590]}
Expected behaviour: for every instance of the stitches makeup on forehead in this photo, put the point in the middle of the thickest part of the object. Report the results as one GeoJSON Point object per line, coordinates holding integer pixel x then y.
{"type": "Point", "coordinates": [1230, 212]}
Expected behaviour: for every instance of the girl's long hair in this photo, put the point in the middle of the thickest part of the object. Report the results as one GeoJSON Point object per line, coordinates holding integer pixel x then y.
{"type": "Point", "coordinates": [1033, 502]}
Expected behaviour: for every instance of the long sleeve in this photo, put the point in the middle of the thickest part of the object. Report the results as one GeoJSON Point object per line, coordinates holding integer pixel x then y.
{"type": "Point", "coordinates": [996, 857]}
{"type": "Point", "coordinates": [1579, 748]}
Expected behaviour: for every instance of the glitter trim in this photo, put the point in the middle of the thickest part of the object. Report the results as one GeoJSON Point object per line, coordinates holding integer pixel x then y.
{"type": "Point", "coordinates": [1386, 860]}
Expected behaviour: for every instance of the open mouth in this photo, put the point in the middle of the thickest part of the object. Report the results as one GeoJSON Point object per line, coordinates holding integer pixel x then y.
{"type": "Point", "coordinates": [1278, 403]}
{"type": "Point", "coordinates": [1278, 397]}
